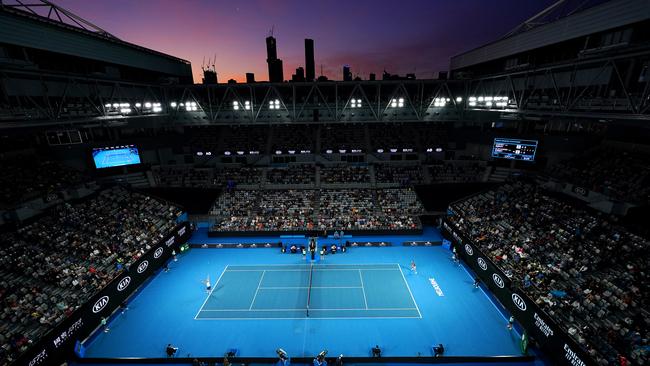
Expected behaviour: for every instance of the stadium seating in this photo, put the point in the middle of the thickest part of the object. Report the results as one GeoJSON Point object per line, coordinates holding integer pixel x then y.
{"type": "Point", "coordinates": [622, 175]}
{"type": "Point", "coordinates": [300, 210]}
{"type": "Point", "coordinates": [294, 174]}
{"type": "Point", "coordinates": [344, 174]}
{"type": "Point", "coordinates": [456, 172]}
{"type": "Point", "coordinates": [54, 265]}
{"type": "Point", "coordinates": [582, 268]}
{"type": "Point", "coordinates": [24, 178]}
{"type": "Point", "coordinates": [403, 175]}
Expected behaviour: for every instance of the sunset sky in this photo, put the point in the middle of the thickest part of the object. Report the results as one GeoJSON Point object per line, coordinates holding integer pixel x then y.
{"type": "Point", "coordinates": [370, 35]}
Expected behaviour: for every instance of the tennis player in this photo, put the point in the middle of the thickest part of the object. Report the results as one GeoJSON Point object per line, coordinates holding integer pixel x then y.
{"type": "Point", "coordinates": [414, 269]}
{"type": "Point", "coordinates": [208, 287]}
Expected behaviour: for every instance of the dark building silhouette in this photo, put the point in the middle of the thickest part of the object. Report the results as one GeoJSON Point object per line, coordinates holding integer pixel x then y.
{"type": "Point", "coordinates": [271, 48]}
{"type": "Point", "coordinates": [389, 76]}
{"type": "Point", "coordinates": [250, 77]}
{"type": "Point", "coordinates": [299, 75]}
{"type": "Point", "coordinates": [347, 74]}
{"type": "Point", "coordinates": [372, 76]}
{"type": "Point", "coordinates": [310, 66]}
{"type": "Point", "coordinates": [275, 64]}
{"type": "Point", "coordinates": [209, 76]}
{"type": "Point", "coordinates": [232, 81]}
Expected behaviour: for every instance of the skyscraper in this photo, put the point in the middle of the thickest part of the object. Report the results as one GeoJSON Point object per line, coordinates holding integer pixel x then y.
{"type": "Point", "coordinates": [347, 75]}
{"type": "Point", "coordinates": [271, 50]}
{"type": "Point", "coordinates": [310, 67]}
{"type": "Point", "coordinates": [275, 64]}
{"type": "Point", "coordinates": [250, 77]}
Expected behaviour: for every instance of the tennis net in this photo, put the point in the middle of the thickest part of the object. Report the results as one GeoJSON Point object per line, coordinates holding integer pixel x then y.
{"type": "Point", "coordinates": [311, 273]}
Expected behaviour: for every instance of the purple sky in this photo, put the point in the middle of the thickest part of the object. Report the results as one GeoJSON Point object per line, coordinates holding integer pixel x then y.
{"type": "Point", "coordinates": [370, 35]}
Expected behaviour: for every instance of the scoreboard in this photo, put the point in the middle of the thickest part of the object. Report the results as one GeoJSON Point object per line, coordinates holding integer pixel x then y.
{"type": "Point", "coordinates": [514, 149]}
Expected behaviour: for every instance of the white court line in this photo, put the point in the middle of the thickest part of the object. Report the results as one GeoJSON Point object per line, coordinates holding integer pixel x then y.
{"type": "Point", "coordinates": [315, 270]}
{"type": "Point", "coordinates": [389, 265]}
{"type": "Point", "coordinates": [268, 270]}
{"type": "Point", "coordinates": [311, 318]}
{"type": "Point", "coordinates": [301, 309]}
{"type": "Point", "coordinates": [489, 298]}
{"type": "Point", "coordinates": [299, 287]}
{"type": "Point", "coordinates": [397, 268]}
{"type": "Point", "coordinates": [365, 301]}
{"type": "Point", "coordinates": [409, 288]}
{"type": "Point", "coordinates": [258, 289]}
{"type": "Point", "coordinates": [210, 294]}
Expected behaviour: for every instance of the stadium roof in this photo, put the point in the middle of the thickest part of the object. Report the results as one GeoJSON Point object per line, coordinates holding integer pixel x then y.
{"type": "Point", "coordinates": [562, 21]}
{"type": "Point", "coordinates": [54, 15]}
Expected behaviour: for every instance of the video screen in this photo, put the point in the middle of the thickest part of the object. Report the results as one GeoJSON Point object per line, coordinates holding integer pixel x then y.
{"type": "Point", "coordinates": [108, 157]}
{"type": "Point", "coordinates": [514, 149]}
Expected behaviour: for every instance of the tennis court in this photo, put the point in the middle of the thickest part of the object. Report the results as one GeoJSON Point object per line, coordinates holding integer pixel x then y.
{"type": "Point", "coordinates": [321, 291]}
{"type": "Point", "coordinates": [118, 157]}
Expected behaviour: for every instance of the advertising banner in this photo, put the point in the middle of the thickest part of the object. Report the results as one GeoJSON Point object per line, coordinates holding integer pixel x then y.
{"type": "Point", "coordinates": [57, 345]}
{"type": "Point", "coordinates": [539, 326]}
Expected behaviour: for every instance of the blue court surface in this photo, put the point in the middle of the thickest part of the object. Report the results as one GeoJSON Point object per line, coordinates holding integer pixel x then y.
{"type": "Point", "coordinates": [299, 291]}
{"type": "Point", "coordinates": [116, 157]}
{"type": "Point", "coordinates": [260, 297]}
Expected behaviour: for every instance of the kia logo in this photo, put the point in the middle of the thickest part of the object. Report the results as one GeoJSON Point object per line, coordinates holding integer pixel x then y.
{"type": "Point", "coordinates": [158, 252]}
{"type": "Point", "coordinates": [469, 249]}
{"type": "Point", "coordinates": [100, 304]}
{"type": "Point", "coordinates": [498, 280]}
{"type": "Point", "coordinates": [519, 302]}
{"type": "Point", "coordinates": [124, 283]}
{"type": "Point", "coordinates": [143, 266]}
{"type": "Point", "coordinates": [482, 264]}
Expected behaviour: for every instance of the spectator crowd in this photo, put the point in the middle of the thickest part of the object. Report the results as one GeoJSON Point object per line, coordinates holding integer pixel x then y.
{"type": "Point", "coordinates": [404, 175]}
{"type": "Point", "coordinates": [344, 174]}
{"type": "Point", "coordinates": [328, 209]}
{"type": "Point", "coordinates": [584, 269]}
{"type": "Point", "coordinates": [52, 266]}
{"type": "Point", "coordinates": [292, 174]}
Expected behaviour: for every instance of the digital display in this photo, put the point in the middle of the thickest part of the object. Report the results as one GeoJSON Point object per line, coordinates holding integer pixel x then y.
{"type": "Point", "coordinates": [514, 149]}
{"type": "Point", "coordinates": [107, 157]}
